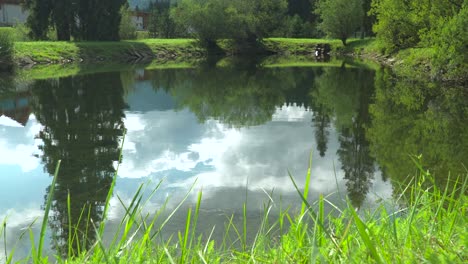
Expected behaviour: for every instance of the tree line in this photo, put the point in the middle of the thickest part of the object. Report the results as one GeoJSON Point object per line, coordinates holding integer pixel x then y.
{"type": "Point", "coordinates": [398, 24]}
{"type": "Point", "coordinates": [80, 19]}
{"type": "Point", "coordinates": [206, 20]}
{"type": "Point", "coordinates": [250, 21]}
{"type": "Point", "coordinates": [438, 24]}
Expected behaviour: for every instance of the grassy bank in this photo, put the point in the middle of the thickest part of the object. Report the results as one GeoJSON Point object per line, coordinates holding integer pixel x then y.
{"type": "Point", "coordinates": [411, 62]}
{"type": "Point", "coordinates": [429, 226]}
{"type": "Point", "coordinates": [108, 52]}
{"type": "Point", "coordinates": [43, 52]}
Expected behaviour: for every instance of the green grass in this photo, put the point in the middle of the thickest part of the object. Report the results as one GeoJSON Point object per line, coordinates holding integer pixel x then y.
{"type": "Point", "coordinates": [428, 227]}
{"type": "Point", "coordinates": [97, 52]}
{"type": "Point", "coordinates": [298, 46]}
{"type": "Point", "coordinates": [52, 52]}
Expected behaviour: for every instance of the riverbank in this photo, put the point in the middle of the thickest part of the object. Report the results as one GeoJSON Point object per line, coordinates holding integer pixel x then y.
{"type": "Point", "coordinates": [411, 63]}
{"type": "Point", "coordinates": [42, 52]}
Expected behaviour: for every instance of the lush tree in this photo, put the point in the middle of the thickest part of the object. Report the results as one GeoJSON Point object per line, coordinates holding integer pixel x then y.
{"type": "Point", "coordinates": [254, 20]}
{"type": "Point", "coordinates": [161, 24]}
{"type": "Point", "coordinates": [340, 18]}
{"type": "Point", "coordinates": [402, 24]}
{"type": "Point", "coordinates": [241, 20]}
{"type": "Point", "coordinates": [127, 29]}
{"type": "Point", "coordinates": [39, 18]}
{"type": "Point", "coordinates": [82, 19]}
{"type": "Point", "coordinates": [397, 23]}
{"type": "Point", "coordinates": [204, 19]}
{"type": "Point", "coordinates": [6, 49]}
{"type": "Point", "coordinates": [451, 49]}
{"type": "Point", "coordinates": [103, 19]}
{"type": "Point", "coordinates": [300, 22]}
{"type": "Point", "coordinates": [368, 19]}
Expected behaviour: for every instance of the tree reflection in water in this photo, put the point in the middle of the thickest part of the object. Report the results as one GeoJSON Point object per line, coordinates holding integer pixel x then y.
{"type": "Point", "coordinates": [82, 119]}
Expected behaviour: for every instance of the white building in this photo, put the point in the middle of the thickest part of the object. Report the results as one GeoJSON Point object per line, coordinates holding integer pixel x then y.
{"type": "Point", "coordinates": [140, 19]}
{"type": "Point", "coordinates": [11, 12]}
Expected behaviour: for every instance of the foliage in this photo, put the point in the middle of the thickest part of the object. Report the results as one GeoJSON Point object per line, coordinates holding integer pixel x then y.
{"type": "Point", "coordinates": [6, 41]}
{"type": "Point", "coordinates": [451, 50]}
{"type": "Point", "coordinates": [295, 27]}
{"type": "Point", "coordinates": [241, 20]}
{"type": "Point", "coordinates": [6, 47]}
{"type": "Point", "coordinates": [300, 21]}
{"type": "Point", "coordinates": [258, 19]}
{"type": "Point", "coordinates": [397, 24]}
{"type": "Point", "coordinates": [204, 19]}
{"type": "Point", "coordinates": [161, 24]}
{"type": "Point", "coordinates": [340, 18]}
{"type": "Point", "coordinates": [21, 32]}
{"type": "Point", "coordinates": [127, 29]}
{"type": "Point", "coordinates": [81, 19]}
{"type": "Point", "coordinates": [402, 24]}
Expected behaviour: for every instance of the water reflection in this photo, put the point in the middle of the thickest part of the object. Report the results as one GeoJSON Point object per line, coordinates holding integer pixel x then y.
{"type": "Point", "coordinates": [82, 120]}
{"type": "Point", "coordinates": [236, 128]}
{"type": "Point", "coordinates": [412, 118]}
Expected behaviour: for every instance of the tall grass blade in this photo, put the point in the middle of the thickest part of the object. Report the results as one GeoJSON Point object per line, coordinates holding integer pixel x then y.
{"type": "Point", "coordinates": [361, 227]}
{"type": "Point", "coordinates": [171, 260]}
{"type": "Point", "coordinates": [307, 183]}
{"type": "Point", "coordinates": [4, 239]}
{"type": "Point", "coordinates": [195, 219]}
{"type": "Point", "coordinates": [186, 235]}
{"type": "Point", "coordinates": [174, 211]}
{"type": "Point", "coordinates": [70, 241]}
{"type": "Point", "coordinates": [45, 220]}
{"type": "Point", "coordinates": [314, 215]}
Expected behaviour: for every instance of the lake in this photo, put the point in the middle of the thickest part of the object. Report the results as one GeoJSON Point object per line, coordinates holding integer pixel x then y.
{"type": "Point", "coordinates": [234, 130]}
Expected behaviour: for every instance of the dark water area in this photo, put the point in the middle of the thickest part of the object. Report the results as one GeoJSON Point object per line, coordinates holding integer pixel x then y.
{"type": "Point", "coordinates": [232, 131]}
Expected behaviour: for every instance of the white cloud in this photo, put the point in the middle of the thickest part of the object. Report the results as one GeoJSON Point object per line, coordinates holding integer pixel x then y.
{"type": "Point", "coordinates": [6, 121]}
{"type": "Point", "coordinates": [18, 146]}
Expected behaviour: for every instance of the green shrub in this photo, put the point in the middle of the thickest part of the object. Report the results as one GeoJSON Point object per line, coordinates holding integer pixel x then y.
{"type": "Point", "coordinates": [21, 32]}
{"type": "Point", "coordinates": [6, 47]}
{"type": "Point", "coordinates": [142, 35]}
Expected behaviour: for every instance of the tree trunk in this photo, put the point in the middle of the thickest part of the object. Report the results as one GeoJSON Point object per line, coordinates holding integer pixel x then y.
{"type": "Point", "coordinates": [344, 41]}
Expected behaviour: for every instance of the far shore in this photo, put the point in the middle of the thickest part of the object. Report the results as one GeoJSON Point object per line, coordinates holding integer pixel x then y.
{"type": "Point", "coordinates": [409, 63]}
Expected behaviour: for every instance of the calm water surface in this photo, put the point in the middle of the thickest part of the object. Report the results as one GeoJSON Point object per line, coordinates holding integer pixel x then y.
{"type": "Point", "coordinates": [234, 130]}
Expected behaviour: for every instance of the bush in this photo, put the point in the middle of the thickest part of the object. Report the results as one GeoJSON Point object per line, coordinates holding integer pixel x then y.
{"type": "Point", "coordinates": [21, 32]}
{"type": "Point", "coordinates": [143, 35]}
{"type": "Point", "coordinates": [6, 48]}
{"type": "Point", "coordinates": [451, 47]}
{"type": "Point", "coordinates": [127, 29]}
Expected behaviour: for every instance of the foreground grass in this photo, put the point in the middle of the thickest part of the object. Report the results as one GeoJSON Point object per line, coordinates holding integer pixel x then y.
{"type": "Point", "coordinates": [429, 227]}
